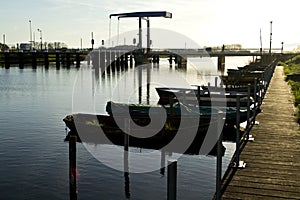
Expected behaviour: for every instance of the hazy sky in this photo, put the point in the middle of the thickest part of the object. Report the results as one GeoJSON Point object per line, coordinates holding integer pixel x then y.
{"type": "Point", "coordinates": [207, 22]}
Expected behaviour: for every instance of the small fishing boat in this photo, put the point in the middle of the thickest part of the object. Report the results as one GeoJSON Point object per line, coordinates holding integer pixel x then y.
{"type": "Point", "coordinates": [184, 120]}
{"type": "Point", "coordinates": [253, 67]}
{"type": "Point", "coordinates": [204, 96]}
{"type": "Point", "coordinates": [103, 129]}
{"type": "Point", "coordinates": [241, 81]}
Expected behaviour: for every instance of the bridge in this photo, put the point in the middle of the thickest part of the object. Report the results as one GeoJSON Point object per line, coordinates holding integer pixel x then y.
{"type": "Point", "coordinates": [121, 56]}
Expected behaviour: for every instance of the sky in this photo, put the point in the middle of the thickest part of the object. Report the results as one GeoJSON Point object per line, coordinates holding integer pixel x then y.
{"type": "Point", "coordinates": [206, 22]}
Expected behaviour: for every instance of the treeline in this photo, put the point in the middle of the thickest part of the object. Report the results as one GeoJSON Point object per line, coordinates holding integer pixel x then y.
{"type": "Point", "coordinates": [3, 47]}
{"type": "Point", "coordinates": [48, 45]}
{"type": "Point", "coordinates": [36, 46]}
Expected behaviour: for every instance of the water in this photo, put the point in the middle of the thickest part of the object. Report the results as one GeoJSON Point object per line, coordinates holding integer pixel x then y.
{"type": "Point", "coordinates": [34, 157]}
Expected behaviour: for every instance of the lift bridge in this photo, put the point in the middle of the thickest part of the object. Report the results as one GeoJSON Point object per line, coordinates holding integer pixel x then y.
{"type": "Point", "coordinates": [146, 16]}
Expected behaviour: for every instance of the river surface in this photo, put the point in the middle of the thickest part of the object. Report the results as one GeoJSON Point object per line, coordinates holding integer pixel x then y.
{"type": "Point", "coordinates": [34, 157]}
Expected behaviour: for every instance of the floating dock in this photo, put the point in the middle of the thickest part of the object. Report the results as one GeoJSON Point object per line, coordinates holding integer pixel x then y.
{"type": "Point", "coordinates": [273, 158]}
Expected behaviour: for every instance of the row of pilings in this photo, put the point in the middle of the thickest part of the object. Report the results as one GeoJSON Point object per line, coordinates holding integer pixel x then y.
{"type": "Point", "coordinates": [37, 58]}
{"type": "Point", "coordinates": [116, 60]}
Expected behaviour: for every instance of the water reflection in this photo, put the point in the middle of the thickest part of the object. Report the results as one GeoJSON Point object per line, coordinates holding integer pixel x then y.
{"type": "Point", "coordinates": [132, 85]}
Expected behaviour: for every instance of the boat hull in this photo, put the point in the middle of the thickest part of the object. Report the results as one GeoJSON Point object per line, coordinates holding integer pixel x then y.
{"type": "Point", "coordinates": [91, 128]}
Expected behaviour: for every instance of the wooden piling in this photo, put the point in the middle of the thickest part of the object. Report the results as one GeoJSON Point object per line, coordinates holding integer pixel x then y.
{"type": "Point", "coordinates": [57, 60]}
{"type": "Point", "coordinates": [126, 60]}
{"type": "Point", "coordinates": [176, 59]}
{"type": "Point", "coordinates": [88, 57]}
{"type": "Point", "coordinates": [46, 60]}
{"type": "Point", "coordinates": [162, 162]}
{"type": "Point", "coordinates": [140, 71]}
{"type": "Point", "coordinates": [122, 62]}
{"type": "Point", "coordinates": [33, 60]}
{"type": "Point", "coordinates": [108, 60]}
{"type": "Point", "coordinates": [113, 61]}
{"type": "Point", "coordinates": [96, 59]}
{"type": "Point", "coordinates": [126, 156]}
{"type": "Point", "coordinates": [127, 185]}
{"type": "Point", "coordinates": [131, 60]}
{"type": "Point", "coordinates": [172, 180]}
{"type": "Point", "coordinates": [170, 60]}
{"type": "Point", "coordinates": [21, 60]}
{"type": "Point", "coordinates": [6, 60]}
{"type": "Point", "coordinates": [181, 62]}
{"type": "Point", "coordinates": [118, 60]}
{"type": "Point", "coordinates": [102, 61]}
{"type": "Point", "coordinates": [72, 167]}
{"type": "Point", "coordinates": [68, 59]}
{"type": "Point", "coordinates": [77, 59]}
{"type": "Point", "coordinates": [221, 63]}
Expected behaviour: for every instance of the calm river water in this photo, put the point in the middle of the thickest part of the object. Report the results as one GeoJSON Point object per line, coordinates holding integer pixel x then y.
{"type": "Point", "coordinates": [33, 154]}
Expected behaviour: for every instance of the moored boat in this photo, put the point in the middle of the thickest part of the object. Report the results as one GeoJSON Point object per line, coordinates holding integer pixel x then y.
{"type": "Point", "coordinates": [103, 129]}
{"type": "Point", "coordinates": [205, 96]}
{"type": "Point", "coordinates": [181, 121]}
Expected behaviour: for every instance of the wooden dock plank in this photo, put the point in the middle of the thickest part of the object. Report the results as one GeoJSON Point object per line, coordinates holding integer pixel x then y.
{"type": "Point", "coordinates": [273, 158]}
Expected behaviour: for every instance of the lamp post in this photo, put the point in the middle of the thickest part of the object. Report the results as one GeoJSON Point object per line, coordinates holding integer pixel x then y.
{"type": "Point", "coordinates": [30, 41]}
{"type": "Point", "coordinates": [270, 37]}
{"type": "Point", "coordinates": [92, 41]}
{"type": "Point", "coordinates": [41, 37]}
{"type": "Point", "coordinates": [4, 39]}
{"type": "Point", "coordinates": [281, 47]}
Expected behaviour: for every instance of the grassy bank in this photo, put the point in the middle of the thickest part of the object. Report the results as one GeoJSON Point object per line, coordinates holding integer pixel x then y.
{"type": "Point", "coordinates": [292, 66]}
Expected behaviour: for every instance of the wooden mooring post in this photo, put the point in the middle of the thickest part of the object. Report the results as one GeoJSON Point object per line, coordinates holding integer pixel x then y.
{"type": "Point", "coordinates": [108, 60]}
{"type": "Point", "coordinates": [72, 167]}
{"type": "Point", "coordinates": [77, 59]}
{"type": "Point", "coordinates": [221, 64]}
{"type": "Point", "coordinates": [68, 59]}
{"type": "Point", "coordinates": [57, 60]}
{"type": "Point", "coordinates": [21, 60]}
{"type": "Point", "coordinates": [170, 60]}
{"type": "Point", "coordinates": [172, 180]}
{"type": "Point", "coordinates": [126, 60]}
{"type": "Point", "coordinates": [162, 162]}
{"type": "Point", "coordinates": [6, 60]}
{"type": "Point", "coordinates": [118, 60]}
{"type": "Point", "coordinates": [33, 60]}
{"type": "Point", "coordinates": [46, 60]}
{"type": "Point", "coordinates": [102, 61]}
{"type": "Point", "coordinates": [126, 158]}
{"type": "Point", "coordinates": [112, 61]}
{"type": "Point", "coordinates": [88, 57]}
{"type": "Point", "coordinates": [131, 60]}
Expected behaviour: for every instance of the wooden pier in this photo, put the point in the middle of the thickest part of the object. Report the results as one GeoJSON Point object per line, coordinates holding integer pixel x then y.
{"type": "Point", "coordinates": [42, 58]}
{"type": "Point", "coordinates": [273, 158]}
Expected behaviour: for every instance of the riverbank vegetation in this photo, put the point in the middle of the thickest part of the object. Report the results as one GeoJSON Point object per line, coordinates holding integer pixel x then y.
{"type": "Point", "coordinates": [292, 72]}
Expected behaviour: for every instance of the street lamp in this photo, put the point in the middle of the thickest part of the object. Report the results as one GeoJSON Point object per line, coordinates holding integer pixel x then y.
{"type": "Point", "coordinates": [30, 35]}
{"type": "Point", "coordinates": [270, 36]}
{"type": "Point", "coordinates": [41, 37]}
